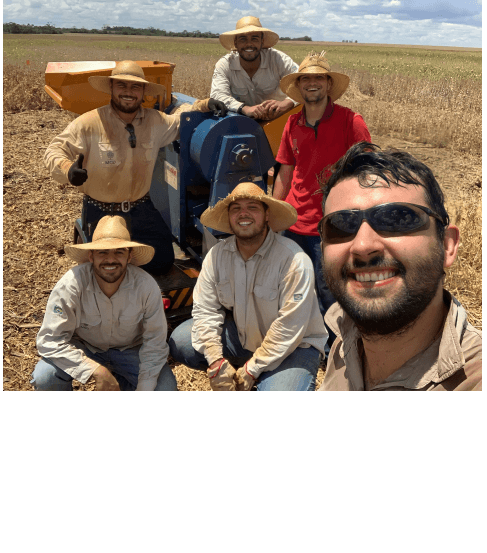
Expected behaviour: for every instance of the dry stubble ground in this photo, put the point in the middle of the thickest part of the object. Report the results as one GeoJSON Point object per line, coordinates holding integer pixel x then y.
{"type": "Point", "coordinates": [39, 215]}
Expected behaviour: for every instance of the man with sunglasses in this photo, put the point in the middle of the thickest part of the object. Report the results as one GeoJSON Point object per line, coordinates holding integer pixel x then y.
{"type": "Point", "coordinates": [109, 154]}
{"type": "Point", "coordinates": [386, 240]}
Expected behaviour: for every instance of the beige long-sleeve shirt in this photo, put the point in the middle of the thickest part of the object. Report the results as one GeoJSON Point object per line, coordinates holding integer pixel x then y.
{"type": "Point", "coordinates": [232, 85]}
{"type": "Point", "coordinates": [78, 310]}
{"type": "Point", "coordinates": [452, 362]}
{"type": "Point", "coordinates": [116, 171]}
{"type": "Point", "coordinates": [271, 295]}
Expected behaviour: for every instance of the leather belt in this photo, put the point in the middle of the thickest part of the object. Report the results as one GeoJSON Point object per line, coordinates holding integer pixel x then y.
{"type": "Point", "coordinates": [124, 207]}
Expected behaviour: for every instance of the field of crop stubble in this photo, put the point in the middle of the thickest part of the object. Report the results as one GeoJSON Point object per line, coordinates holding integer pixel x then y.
{"type": "Point", "coordinates": [424, 100]}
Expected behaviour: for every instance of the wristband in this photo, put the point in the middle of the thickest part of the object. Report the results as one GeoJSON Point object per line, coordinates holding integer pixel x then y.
{"type": "Point", "coordinates": [240, 109]}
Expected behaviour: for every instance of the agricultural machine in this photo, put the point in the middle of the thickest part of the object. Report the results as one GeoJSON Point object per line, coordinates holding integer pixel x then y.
{"type": "Point", "coordinates": [211, 157]}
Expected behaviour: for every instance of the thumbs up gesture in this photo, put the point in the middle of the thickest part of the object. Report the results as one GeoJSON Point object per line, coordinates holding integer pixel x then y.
{"type": "Point", "coordinates": [76, 174]}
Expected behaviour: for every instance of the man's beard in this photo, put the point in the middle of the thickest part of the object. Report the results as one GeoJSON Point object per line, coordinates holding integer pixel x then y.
{"type": "Point", "coordinates": [113, 276]}
{"type": "Point", "coordinates": [259, 232]}
{"type": "Point", "coordinates": [375, 315]}
{"type": "Point", "coordinates": [124, 109]}
{"type": "Point", "coordinates": [317, 99]}
{"type": "Point", "coordinates": [250, 56]}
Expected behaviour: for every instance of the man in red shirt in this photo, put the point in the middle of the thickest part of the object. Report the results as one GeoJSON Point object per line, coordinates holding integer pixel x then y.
{"type": "Point", "coordinates": [312, 141]}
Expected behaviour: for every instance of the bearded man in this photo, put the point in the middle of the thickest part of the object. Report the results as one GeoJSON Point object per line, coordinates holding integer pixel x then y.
{"type": "Point", "coordinates": [105, 319]}
{"type": "Point", "coordinates": [109, 154]}
{"type": "Point", "coordinates": [247, 79]}
{"type": "Point", "coordinates": [386, 240]}
{"type": "Point", "coordinates": [256, 319]}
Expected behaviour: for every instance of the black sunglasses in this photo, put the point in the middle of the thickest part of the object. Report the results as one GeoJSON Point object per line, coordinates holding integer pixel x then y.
{"type": "Point", "coordinates": [132, 137]}
{"type": "Point", "coordinates": [396, 218]}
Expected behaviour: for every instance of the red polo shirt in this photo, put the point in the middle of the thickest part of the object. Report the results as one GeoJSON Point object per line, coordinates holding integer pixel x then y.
{"type": "Point", "coordinates": [312, 151]}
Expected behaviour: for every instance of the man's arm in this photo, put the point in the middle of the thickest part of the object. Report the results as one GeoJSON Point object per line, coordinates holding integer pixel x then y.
{"type": "Point", "coordinates": [154, 351]}
{"type": "Point", "coordinates": [53, 339]}
{"type": "Point", "coordinates": [296, 297]}
{"type": "Point", "coordinates": [64, 150]}
{"type": "Point", "coordinates": [282, 186]}
{"type": "Point", "coordinates": [220, 86]}
{"type": "Point", "coordinates": [208, 314]}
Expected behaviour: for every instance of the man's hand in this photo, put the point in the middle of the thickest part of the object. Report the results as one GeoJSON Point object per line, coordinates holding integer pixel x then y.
{"type": "Point", "coordinates": [274, 108]}
{"type": "Point", "coordinates": [222, 375]}
{"type": "Point", "coordinates": [76, 174]}
{"type": "Point", "coordinates": [218, 108]}
{"type": "Point", "coordinates": [245, 380]}
{"type": "Point", "coordinates": [104, 380]}
{"type": "Point", "coordinates": [256, 112]}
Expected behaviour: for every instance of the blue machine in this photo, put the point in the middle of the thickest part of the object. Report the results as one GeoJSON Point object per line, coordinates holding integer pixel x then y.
{"type": "Point", "coordinates": [212, 156]}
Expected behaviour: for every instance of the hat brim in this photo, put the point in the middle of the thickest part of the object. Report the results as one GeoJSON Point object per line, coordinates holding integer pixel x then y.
{"type": "Point", "coordinates": [281, 214]}
{"type": "Point", "coordinates": [102, 83]}
{"type": "Point", "coordinates": [289, 83]}
{"type": "Point", "coordinates": [227, 40]}
{"type": "Point", "coordinates": [141, 253]}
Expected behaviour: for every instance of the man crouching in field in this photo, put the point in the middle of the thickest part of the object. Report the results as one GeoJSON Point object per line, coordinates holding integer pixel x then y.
{"type": "Point", "coordinates": [255, 305]}
{"type": "Point", "coordinates": [105, 319]}
{"type": "Point", "coordinates": [386, 240]}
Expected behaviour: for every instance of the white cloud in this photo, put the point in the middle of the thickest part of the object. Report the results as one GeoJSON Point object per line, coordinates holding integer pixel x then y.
{"type": "Point", "coordinates": [387, 21]}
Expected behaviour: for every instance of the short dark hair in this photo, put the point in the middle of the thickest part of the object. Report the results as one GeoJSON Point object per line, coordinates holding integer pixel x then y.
{"type": "Point", "coordinates": [395, 167]}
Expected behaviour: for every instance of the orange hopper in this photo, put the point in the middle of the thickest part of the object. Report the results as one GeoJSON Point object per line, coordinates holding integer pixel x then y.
{"type": "Point", "coordinates": [67, 83]}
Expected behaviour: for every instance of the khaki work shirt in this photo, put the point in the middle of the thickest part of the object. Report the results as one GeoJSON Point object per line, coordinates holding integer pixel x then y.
{"type": "Point", "coordinates": [116, 172]}
{"type": "Point", "coordinates": [232, 85]}
{"type": "Point", "coordinates": [272, 298]}
{"type": "Point", "coordinates": [452, 362]}
{"type": "Point", "coordinates": [78, 311]}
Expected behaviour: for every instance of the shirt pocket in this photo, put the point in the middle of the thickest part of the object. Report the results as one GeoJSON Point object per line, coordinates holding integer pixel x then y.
{"type": "Point", "coordinates": [225, 294]}
{"type": "Point", "coordinates": [109, 154]}
{"type": "Point", "coordinates": [89, 326]}
{"type": "Point", "coordinates": [268, 91]}
{"type": "Point", "coordinates": [265, 292]}
{"type": "Point", "coordinates": [128, 325]}
{"type": "Point", "coordinates": [239, 93]}
{"type": "Point", "coordinates": [148, 148]}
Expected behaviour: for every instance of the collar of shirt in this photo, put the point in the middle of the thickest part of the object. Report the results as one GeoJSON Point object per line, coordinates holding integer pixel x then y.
{"type": "Point", "coordinates": [436, 363]}
{"type": "Point", "coordinates": [235, 64]}
{"type": "Point", "coordinates": [140, 115]}
{"type": "Point", "coordinates": [231, 245]}
{"type": "Point", "coordinates": [326, 115]}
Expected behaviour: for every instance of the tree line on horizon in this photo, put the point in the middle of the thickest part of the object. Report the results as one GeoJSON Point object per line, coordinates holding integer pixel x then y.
{"type": "Point", "coordinates": [50, 29]}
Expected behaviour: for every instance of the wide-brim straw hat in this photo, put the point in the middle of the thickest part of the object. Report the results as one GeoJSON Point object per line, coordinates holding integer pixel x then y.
{"type": "Point", "coordinates": [110, 234]}
{"type": "Point", "coordinates": [281, 214]}
{"type": "Point", "coordinates": [248, 24]}
{"type": "Point", "coordinates": [314, 64]}
{"type": "Point", "coordinates": [127, 71]}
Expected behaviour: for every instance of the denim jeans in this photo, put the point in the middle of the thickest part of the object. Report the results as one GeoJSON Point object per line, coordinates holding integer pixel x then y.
{"type": "Point", "coordinates": [124, 365]}
{"type": "Point", "coordinates": [297, 372]}
{"type": "Point", "coordinates": [145, 225]}
{"type": "Point", "coordinates": [311, 245]}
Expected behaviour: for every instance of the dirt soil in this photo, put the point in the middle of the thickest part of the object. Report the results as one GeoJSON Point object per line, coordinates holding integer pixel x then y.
{"type": "Point", "coordinates": [38, 221]}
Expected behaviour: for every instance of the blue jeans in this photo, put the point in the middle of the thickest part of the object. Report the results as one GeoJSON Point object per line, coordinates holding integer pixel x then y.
{"type": "Point", "coordinates": [124, 365]}
{"type": "Point", "coordinates": [145, 225]}
{"type": "Point", "coordinates": [311, 245]}
{"type": "Point", "coordinates": [296, 373]}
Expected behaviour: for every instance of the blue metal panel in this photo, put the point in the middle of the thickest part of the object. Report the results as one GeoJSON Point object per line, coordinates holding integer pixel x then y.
{"type": "Point", "coordinates": [211, 157]}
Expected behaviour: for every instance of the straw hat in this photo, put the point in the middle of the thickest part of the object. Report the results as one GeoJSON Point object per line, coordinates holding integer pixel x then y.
{"type": "Point", "coordinates": [111, 233]}
{"type": "Point", "coordinates": [127, 71]}
{"type": "Point", "coordinates": [281, 214]}
{"type": "Point", "coordinates": [245, 25]}
{"type": "Point", "coordinates": [315, 64]}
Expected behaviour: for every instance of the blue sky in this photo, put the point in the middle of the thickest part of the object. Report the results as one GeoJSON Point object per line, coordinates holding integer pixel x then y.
{"type": "Point", "coordinates": [426, 22]}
